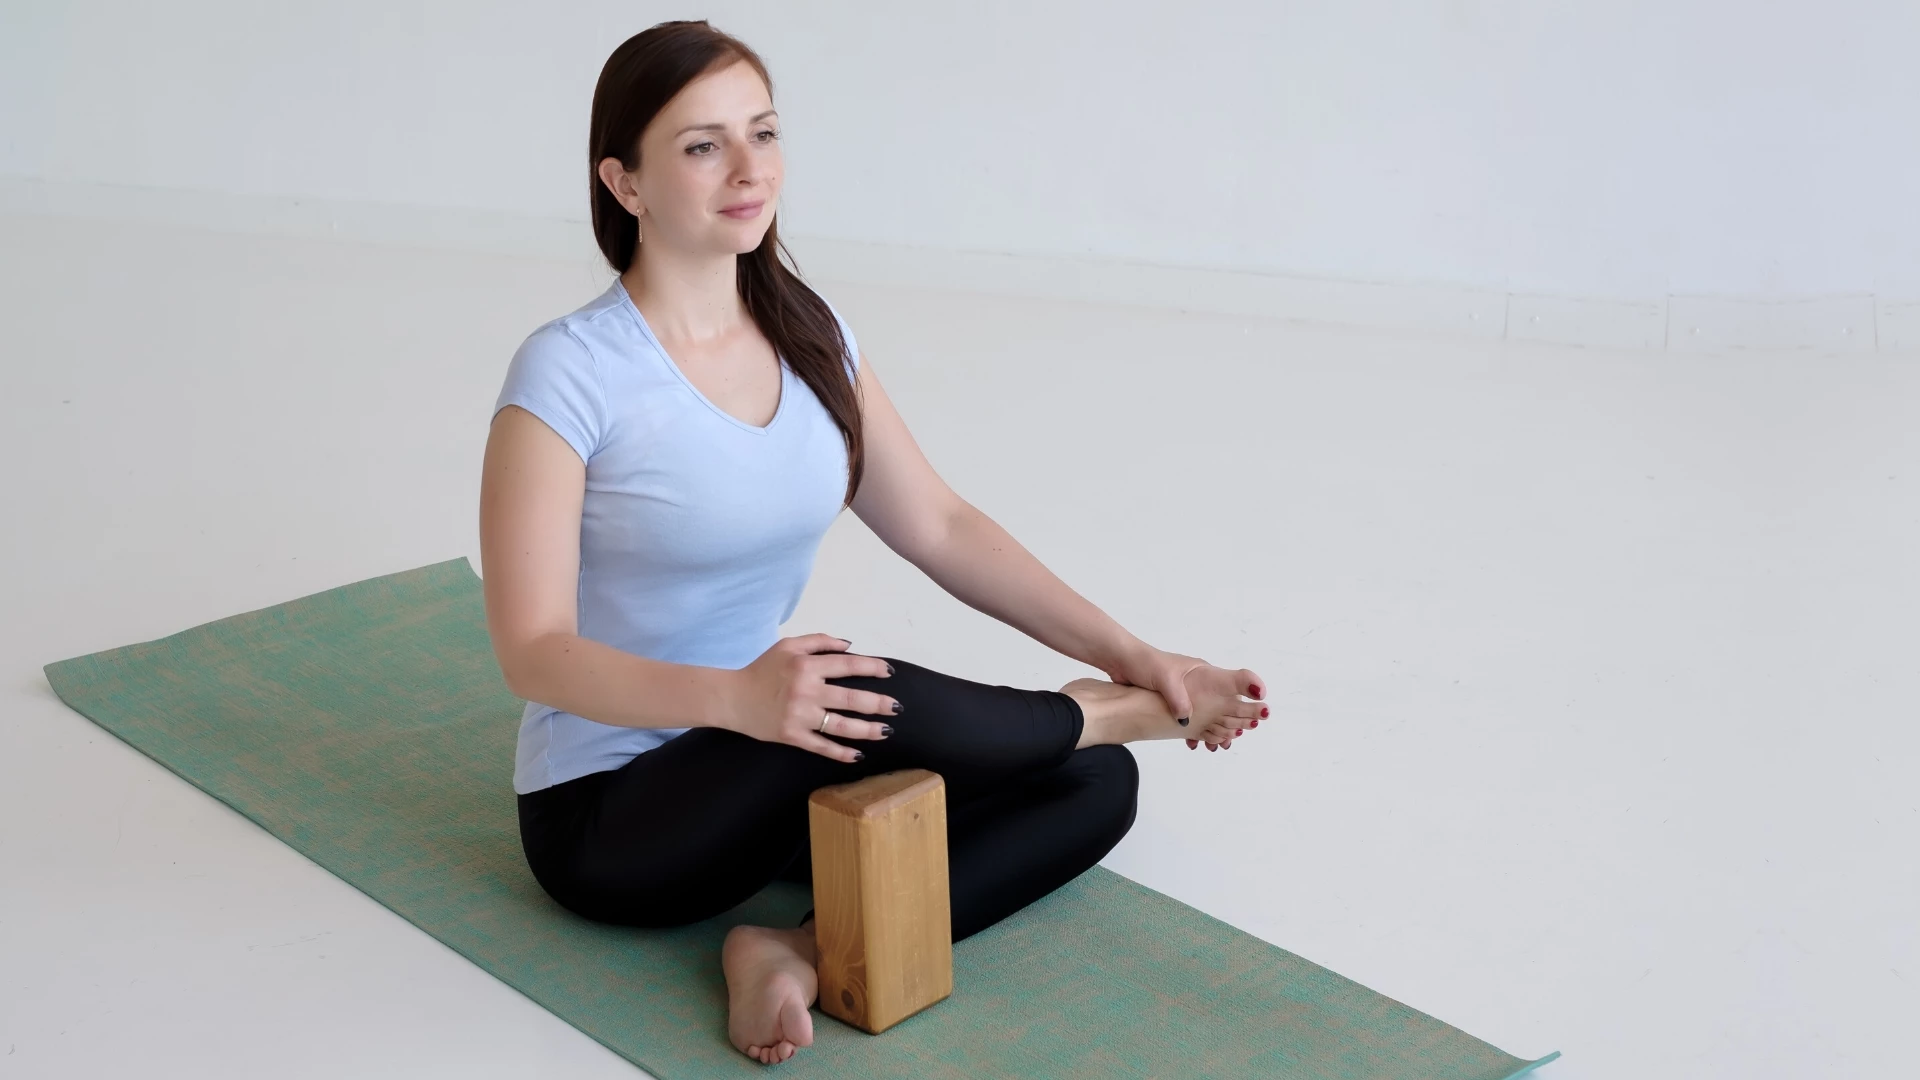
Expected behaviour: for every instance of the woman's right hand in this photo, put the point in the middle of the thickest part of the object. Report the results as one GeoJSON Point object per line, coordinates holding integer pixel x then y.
{"type": "Point", "coordinates": [782, 696]}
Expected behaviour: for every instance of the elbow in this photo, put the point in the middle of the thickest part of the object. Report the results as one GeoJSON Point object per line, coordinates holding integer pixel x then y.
{"type": "Point", "coordinates": [514, 686]}
{"type": "Point", "coordinates": [513, 671]}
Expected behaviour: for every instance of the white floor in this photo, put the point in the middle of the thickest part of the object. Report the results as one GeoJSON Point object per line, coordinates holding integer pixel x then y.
{"type": "Point", "coordinates": [1594, 674]}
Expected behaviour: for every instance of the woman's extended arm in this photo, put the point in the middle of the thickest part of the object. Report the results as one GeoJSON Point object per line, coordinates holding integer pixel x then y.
{"type": "Point", "coordinates": [984, 567]}
{"type": "Point", "coordinates": [913, 511]}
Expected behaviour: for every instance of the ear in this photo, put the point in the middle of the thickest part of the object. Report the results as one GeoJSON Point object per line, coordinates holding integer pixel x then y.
{"type": "Point", "coordinates": [618, 181]}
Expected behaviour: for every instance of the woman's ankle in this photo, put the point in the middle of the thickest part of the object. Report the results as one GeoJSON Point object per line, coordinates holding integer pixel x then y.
{"type": "Point", "coordinates": [1117, 714]}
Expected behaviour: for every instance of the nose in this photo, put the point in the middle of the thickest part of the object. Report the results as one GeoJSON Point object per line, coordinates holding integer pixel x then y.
{"type": "Point", "coordinates": [751, 165]}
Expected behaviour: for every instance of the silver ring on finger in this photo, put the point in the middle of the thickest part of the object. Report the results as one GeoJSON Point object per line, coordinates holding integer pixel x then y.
{"type": "Point", "coordinates": [825, 719]}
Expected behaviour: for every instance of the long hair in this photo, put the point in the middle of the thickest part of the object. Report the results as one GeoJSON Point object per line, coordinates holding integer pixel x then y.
{"type": "Point", "coordinates": [641, 76]}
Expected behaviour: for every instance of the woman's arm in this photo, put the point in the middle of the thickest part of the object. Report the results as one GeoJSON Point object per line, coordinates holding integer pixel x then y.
{"type": "Point", "coordinates": [913, 511]}
{"type": "Point", "coordinates": [984, 567]}
{"type": "Point", "coordinates": [532, 486]}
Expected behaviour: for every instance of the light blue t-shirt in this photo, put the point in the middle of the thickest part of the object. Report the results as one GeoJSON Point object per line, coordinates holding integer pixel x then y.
{"type": "Point", "coordinates": [698, 530]}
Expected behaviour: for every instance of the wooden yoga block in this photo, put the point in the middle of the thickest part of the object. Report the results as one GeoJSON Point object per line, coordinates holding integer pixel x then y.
{"type": "Point", "coordinates": [882, 915]}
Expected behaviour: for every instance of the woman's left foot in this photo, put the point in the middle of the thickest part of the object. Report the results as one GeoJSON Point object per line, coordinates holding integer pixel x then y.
{"type": "Point", "coordinates": [1139, 714]}
{"type": "Point", "coordinates": [1219, 716]}
{"type": "Point", "coordinates": [770, 984]}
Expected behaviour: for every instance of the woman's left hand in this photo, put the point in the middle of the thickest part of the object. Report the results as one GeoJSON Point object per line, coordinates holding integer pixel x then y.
{"type": "Point", "coordinates": [1165, 673]}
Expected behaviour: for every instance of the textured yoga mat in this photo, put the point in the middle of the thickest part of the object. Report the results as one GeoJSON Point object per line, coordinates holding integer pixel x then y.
{"type": "Point", "coordinates": [368, 727]}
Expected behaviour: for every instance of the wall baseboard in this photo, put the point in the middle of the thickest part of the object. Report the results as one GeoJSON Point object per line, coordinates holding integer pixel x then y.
{"type": "Point", "coordinates": [1853, 323]}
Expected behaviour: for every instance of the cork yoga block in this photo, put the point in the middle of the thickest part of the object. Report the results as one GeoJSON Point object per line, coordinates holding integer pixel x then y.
{"type": "Point", "coordinates": [882, 918]}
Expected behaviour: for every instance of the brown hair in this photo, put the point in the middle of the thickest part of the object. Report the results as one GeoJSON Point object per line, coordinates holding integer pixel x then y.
{"type": "Point", "coordinates": [641, 76]}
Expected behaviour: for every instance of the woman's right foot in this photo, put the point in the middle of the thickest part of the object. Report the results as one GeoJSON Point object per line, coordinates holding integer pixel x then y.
{"type": "Point", "coordinates": [770, 984]}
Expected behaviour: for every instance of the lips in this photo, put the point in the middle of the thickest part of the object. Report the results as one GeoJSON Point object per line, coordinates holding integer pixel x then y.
{"type": "Point", "coordinates": [743, 210]}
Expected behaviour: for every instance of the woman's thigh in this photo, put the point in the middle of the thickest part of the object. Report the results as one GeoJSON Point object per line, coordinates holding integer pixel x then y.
{"type": "Point", "coordinates": [683, 831]}
{"type": "Point", "coordinates": [703, 821]}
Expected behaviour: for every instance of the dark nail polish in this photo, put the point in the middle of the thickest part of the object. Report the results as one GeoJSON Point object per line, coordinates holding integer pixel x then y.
{"type": "Point", "coordinates": [859, 754]}
{"type": "Point", "coordinates": [889, 669]}
{"type": "Point", "coordinates": [1184, 719]}
{"type": "Point", "coordinates": [897, 706]}
{"type": "Point", "coordinates": [886, 730]}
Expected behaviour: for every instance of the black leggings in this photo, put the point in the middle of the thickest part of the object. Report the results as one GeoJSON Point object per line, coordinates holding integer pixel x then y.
{"type": "Point", "coordinates": [704, 821]}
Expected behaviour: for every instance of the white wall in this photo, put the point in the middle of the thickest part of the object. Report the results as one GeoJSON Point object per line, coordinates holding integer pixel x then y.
{"type": "Point", "coordinates": [1607, 148]}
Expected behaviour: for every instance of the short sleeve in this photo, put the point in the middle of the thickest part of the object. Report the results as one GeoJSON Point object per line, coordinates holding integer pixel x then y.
{"type": "Point", "coordinates": [552, 375]}
{"type": "Point", "coordinates": [846, 331]}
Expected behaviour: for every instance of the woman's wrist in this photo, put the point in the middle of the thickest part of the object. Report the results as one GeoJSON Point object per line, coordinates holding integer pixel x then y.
{"type": "Point", "coordinates": [725, 693]}
{"type": "Point", "coordinates": [1122, 653]}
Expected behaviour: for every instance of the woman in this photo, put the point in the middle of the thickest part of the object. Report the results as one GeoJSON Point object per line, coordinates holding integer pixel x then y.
{"type": "Point", "coordinates": [662, 464]}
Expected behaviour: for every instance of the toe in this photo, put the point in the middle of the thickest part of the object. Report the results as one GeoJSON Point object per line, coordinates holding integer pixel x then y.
{"type": "Point", "coordinates": [796, 1024]}
{"type": "Point", "coordinates": [1251, 684]}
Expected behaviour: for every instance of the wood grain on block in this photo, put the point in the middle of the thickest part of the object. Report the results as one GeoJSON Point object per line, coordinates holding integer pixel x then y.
{"type": "Point", "coordinates": [881, 908]}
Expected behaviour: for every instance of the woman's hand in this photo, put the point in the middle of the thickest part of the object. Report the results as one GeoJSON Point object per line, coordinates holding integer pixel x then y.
{"type": "Point", "coordinates": [782, 696]}
{"type": "Point", "coordinates": [1165, 673]}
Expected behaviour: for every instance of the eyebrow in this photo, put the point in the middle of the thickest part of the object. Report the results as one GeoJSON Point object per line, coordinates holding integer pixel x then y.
{"type": "Point", "coordinates": [720, 127]}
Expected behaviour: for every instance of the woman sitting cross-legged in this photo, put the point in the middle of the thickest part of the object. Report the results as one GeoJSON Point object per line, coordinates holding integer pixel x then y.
{"type": "Point", "coordinates": [662, 464]}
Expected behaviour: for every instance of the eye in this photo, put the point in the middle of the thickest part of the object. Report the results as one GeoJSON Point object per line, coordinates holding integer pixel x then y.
{"type": "Point", "coordinates": [697, 148]}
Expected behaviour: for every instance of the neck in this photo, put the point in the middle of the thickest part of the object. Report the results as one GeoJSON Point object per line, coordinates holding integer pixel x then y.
{"type": "Point", "coordinates": [685, 296]}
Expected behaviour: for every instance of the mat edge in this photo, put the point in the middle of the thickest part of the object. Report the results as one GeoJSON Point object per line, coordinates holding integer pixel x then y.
{"type": "Point", "coordinates": [443, 564]}
{"type": "Point", "coordinates": [1530, 1066]}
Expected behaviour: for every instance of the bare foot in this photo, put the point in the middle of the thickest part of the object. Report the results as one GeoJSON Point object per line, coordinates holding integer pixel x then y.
{"type": "Point", "coordinates": [770, 984]}
{"type": "Point", "coordinates": [1119, 714]}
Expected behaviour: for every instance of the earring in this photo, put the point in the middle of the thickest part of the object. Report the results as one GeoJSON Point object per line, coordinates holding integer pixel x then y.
{"type": "Point", "coordinates": [636, 228]}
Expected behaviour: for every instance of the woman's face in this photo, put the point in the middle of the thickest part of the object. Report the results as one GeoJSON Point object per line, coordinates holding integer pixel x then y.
{"type": "Point", "coordinates": [714, 146]}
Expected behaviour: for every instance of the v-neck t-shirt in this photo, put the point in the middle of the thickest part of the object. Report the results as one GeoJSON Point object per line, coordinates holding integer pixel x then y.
{"type": "Point", "coordinates": [698, 530]}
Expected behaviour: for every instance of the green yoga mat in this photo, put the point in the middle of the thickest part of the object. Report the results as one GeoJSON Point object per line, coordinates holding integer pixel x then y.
{"type": "Point", "coordinates": [368, 727]}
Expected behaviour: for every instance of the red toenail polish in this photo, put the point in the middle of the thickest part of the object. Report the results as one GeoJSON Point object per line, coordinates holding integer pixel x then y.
{"type": "Point", "coordinates": [1263, 712]}
{"type": "Point", "coordinates": [1256, 723]}
{"type": "Point", "coordinates": [1239, 731]}
{"type": "Point", "coordinates": [1253, 689]}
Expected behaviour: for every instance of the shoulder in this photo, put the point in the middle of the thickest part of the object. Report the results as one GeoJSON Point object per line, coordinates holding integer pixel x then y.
{"type": "Point", "coordinates": [566, 346]}
{"type": "Point", "coordinates": [834, 310]}
{"type": "Point", "coordinates": [846, 334]}
{"type": "Point", "coordinates": [554, 377]}
{"type": "Point", "coordinates": [560, 338]}
{"type": "Point", "coordinates": [554, 362]}
{"type": "Point", "coordinates": [581, 335]}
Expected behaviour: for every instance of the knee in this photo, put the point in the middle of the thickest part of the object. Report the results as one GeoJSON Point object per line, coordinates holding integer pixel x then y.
{"type": "Point", "coordinates": [1113, 777]}
{"type": "Point", "coordinates": [1112, 766]}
